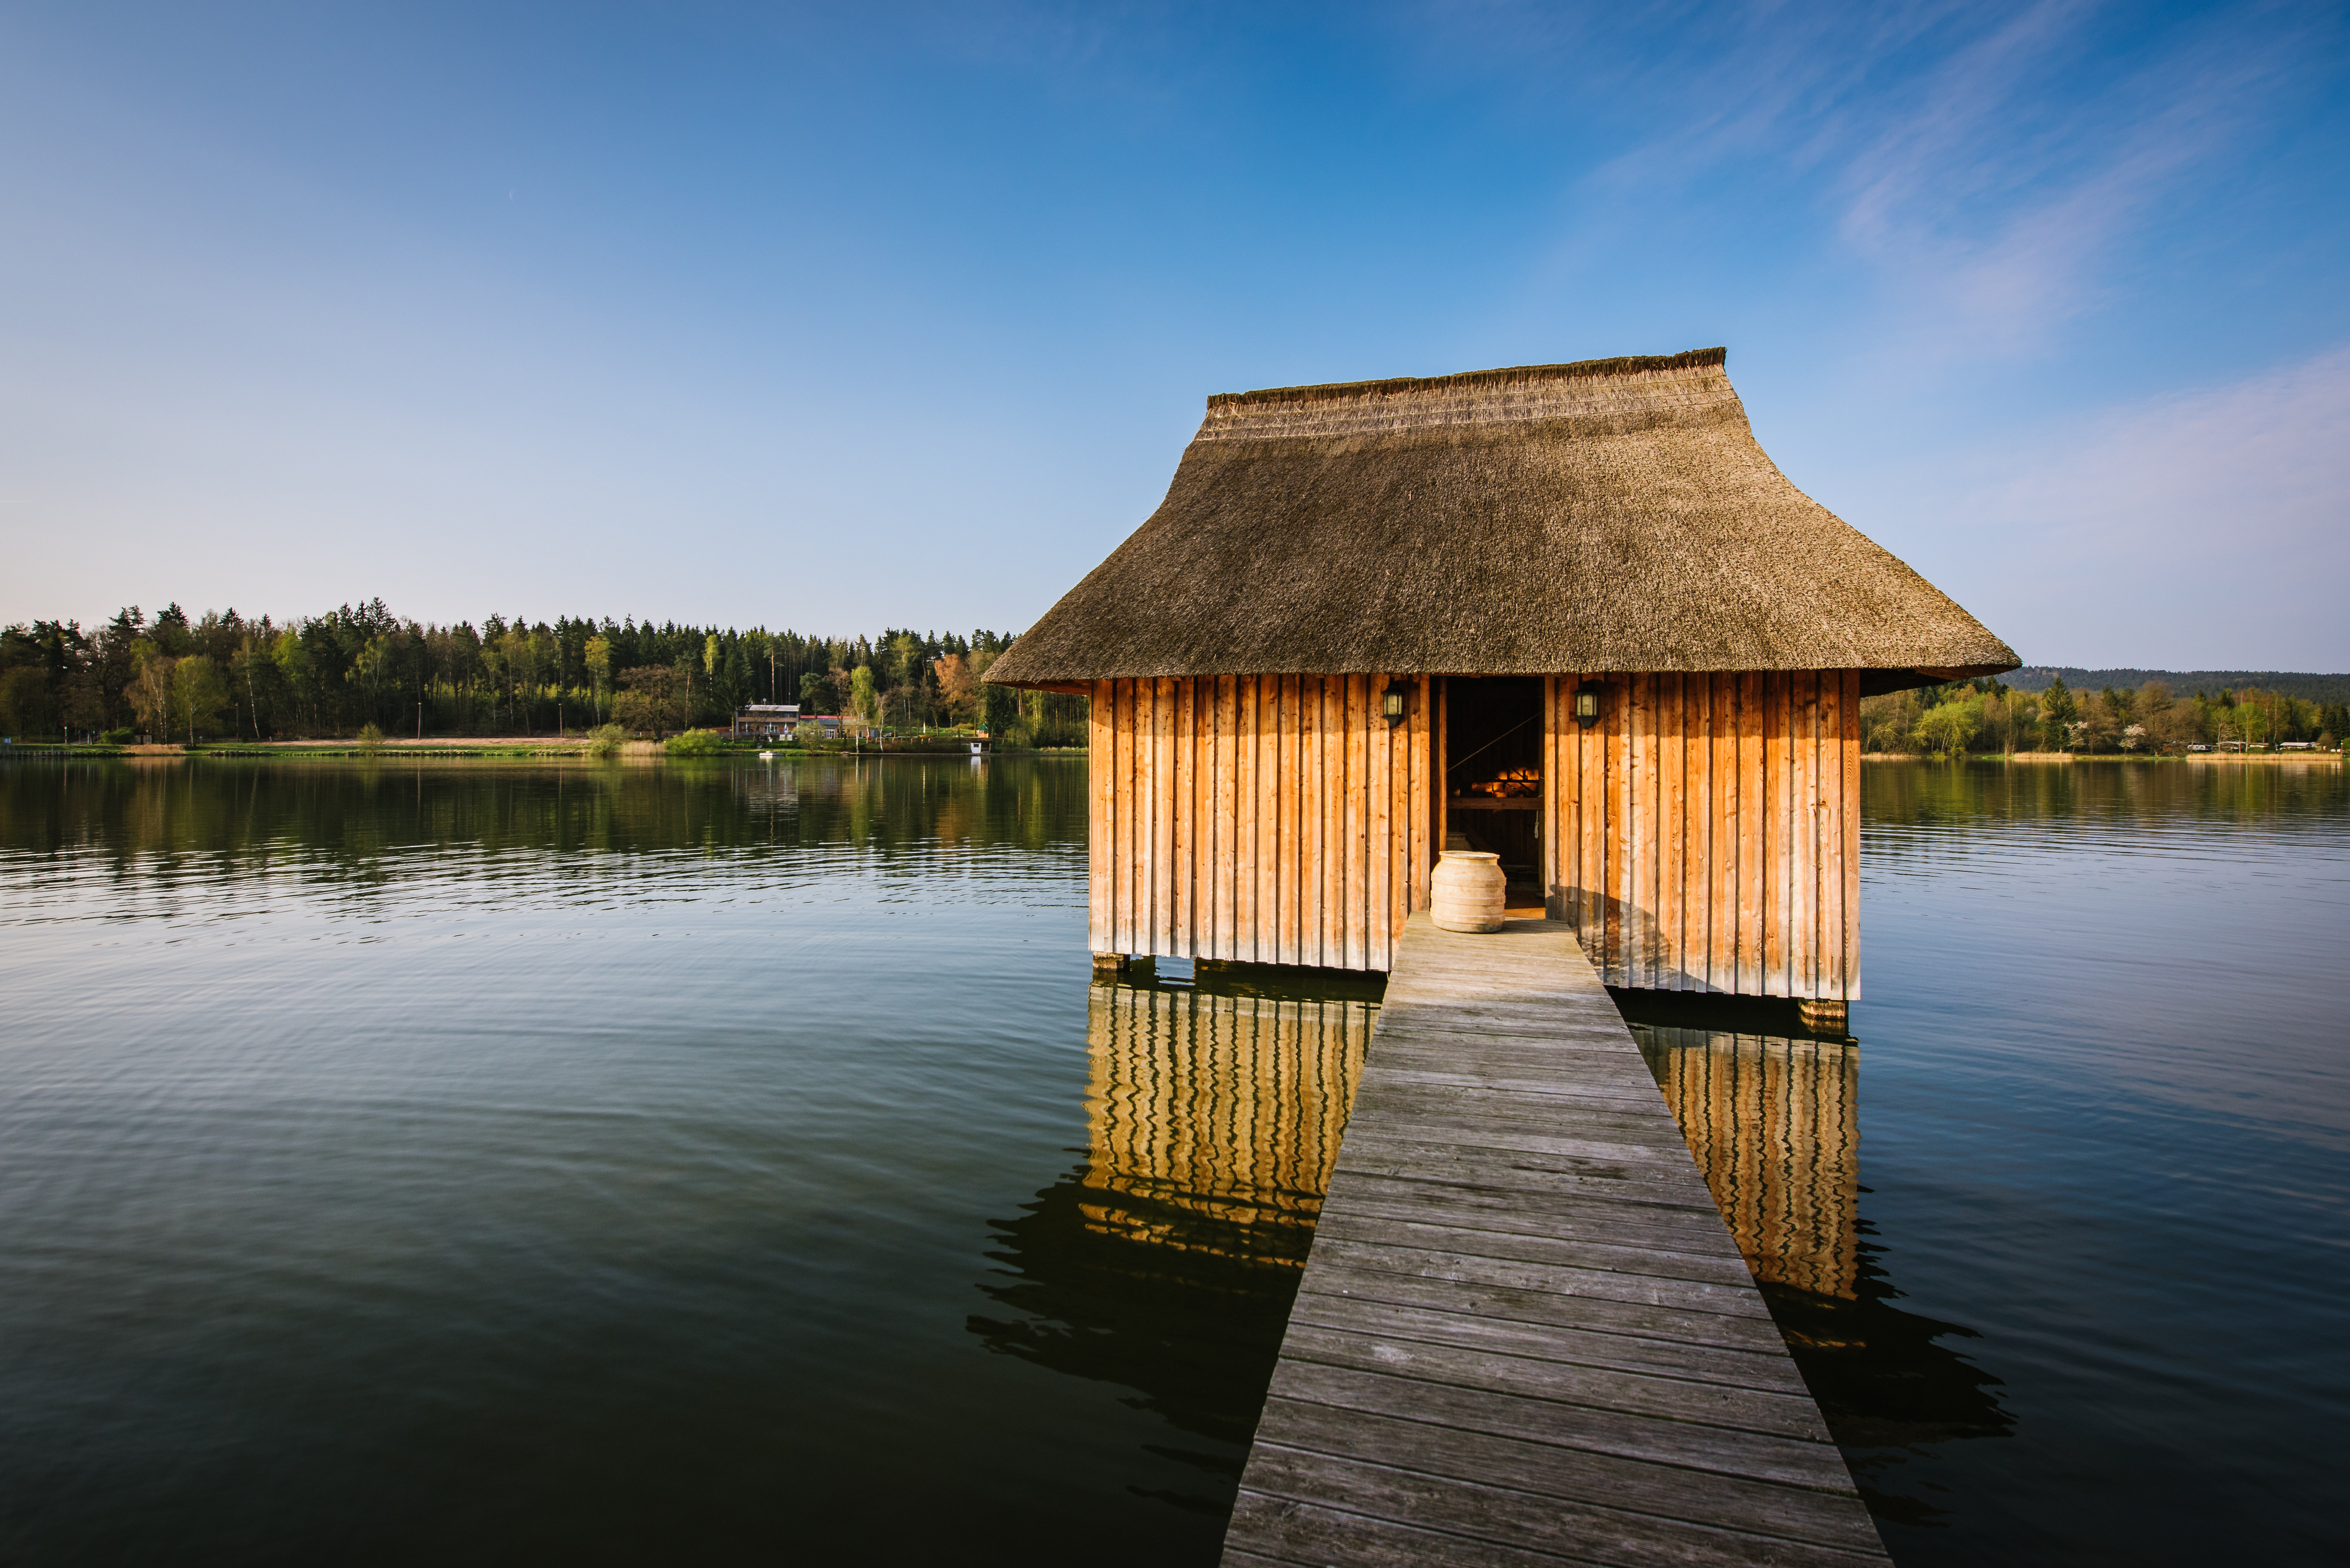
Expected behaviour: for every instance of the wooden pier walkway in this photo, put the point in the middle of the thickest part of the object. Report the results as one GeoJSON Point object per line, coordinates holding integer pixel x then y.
{"type": "Point", "coordinates": [1523, 1335]}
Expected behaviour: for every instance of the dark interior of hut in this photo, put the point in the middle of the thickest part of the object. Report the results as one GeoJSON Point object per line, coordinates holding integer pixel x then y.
{"type": "Point", "coordinates": [1493, 772]}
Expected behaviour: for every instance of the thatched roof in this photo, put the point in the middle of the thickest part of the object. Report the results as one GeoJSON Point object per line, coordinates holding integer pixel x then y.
{"type": "Point", "coordinates": [1613, 514]}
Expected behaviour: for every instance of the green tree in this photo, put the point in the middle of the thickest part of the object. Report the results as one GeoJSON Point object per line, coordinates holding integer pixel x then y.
{"type": "Point", "coordinates": [149, 694]}
{"type": "Point", "coordinates": [1947, 727]}
{"type": "Point", "coordinates": [599, 666]}
{"type": "Point", "coordinates": [999, 707]}
{"type": "Point", "coordinates": [862, 703]}
{"type": "Point", "coordinates": [653, 697]}
{"type": "Point", "coordinates": [26, 706]}
{"type": "Point", "coordinates": [198, 695]}
{"type": "Point", "coordinates": [2058, 708]}
{"type": "Point", "coordinates": [293, 662]}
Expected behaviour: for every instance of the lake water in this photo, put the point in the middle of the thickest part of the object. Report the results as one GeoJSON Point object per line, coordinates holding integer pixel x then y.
{"type": "Point", "coordinates": [716, 1162]}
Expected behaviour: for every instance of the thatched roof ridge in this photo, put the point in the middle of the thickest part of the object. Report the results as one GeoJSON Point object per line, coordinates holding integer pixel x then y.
{"type": "Point", "coordinates": [1609, 514]}
{"type": "Point", "coordinates": [1620, 366]}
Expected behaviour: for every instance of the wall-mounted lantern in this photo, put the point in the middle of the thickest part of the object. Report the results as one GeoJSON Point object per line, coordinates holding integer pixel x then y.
{"type": "Point", "coordinates": [1394, 701]}
{"type": "Point", "coordinates": [1586, 703]}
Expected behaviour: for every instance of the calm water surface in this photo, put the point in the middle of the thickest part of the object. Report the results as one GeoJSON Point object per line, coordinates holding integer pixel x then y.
{"type": "Point", "coordinates": [733, 1162]}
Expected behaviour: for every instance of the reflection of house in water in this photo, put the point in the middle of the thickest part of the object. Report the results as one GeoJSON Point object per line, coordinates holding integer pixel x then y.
{"type": "Point", "coordinates": [772, 789]}
{"type": "Point", "coordinates": [1213, 1120]}
{"type": "Point", "coordinates": [1775, 1124]}
{"type": "Point", "coordinates": [1166, 1261]}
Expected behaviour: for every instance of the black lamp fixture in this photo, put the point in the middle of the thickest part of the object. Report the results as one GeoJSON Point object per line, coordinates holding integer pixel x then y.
{"type": "Point", "coordinates": [1586, 703]}
{"type": "Point", "coordinates": [1393, 701]}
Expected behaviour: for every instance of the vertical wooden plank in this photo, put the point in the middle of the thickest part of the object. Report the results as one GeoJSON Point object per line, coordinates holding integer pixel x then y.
{"type": "Point", "coordinates": [1354, 923]}
{"type": "Point", "coordinates": [1329, 775]}
{"type": "Point", "coordinates": [1547, 869]}
{"type": "Point", "coordinates": [1162, 823]}
{"type": "Point", "coordinates": [1807, 836]}
{"type": "Point", "coordinates": [1832, 833]}
{"type": "Point", "coordinates": [1423, 808]}
{"type": "Point", "coordinates": [1122, 860]}
{"type": "Point", "coordinates": [1353, 915]}
{"type": "Point", "coordinates": [1672, 842]}
{"type": "Point", "coordinates": [1298, 852]}
{"type": "Point", "coordinates": [1618, 838]}
{"type": "Point", "coordinates": [1329, 778]}
{"type": "Point", "coordinates": [1297, 856]}
{"type": "Point", "coordinates": [1750, 834]}
{"type": "Point", "coordinates": [1624, 895]}
{"type": "Point", "coordinates": [1788, 802]}
{"type": "Point", "coordinates": [1648, 812]}
{"type": "Point", "coordinates": [1270, 819]}
{"type": "Point", "coordinates": [1363, 798]}
{"type": "Point", "coordinates": [1244, 819]}
{"type": "Point", "coordinates": [1378, 952]}
{"type": "Point", "coordinates": [1100, 803]}
{"type": "Point", "coordinates": [1778, 825]}
{"type": "Point", "coordinates": [1227, 857]}
{"type": "Point", "coordinates": [1273, 715]}
{"type": "Point", "coordinates": [1773, 832]}
{"type": "Point", "coordinates": [1721, 856]}
{"type": "Point", "coordinates": [1705, 808]}
{"type": "Point", "coordinates": [1214, 843]}
{"type": "Point", "coordinates": [1592, 752]}
{"type": "Point", "coordinates": [1142, 794]}
{"type": "Point", "coordinates": [1439, 765]}
{"type": "Point", "coordinates": [1199, 861]}
{"type": "Point", "coordinates": [1697, 875]}
{"type": "Point", "coordinates": [1183, 863]}
{"type": "Point", "coordinates": [1639, 778]}
{"type": "Point", "coordinates": [1293, 824]}
{"type": "Point", "coordinates": [1850, 834]}
{"type": "Point", "coordinates": [1200, 928]}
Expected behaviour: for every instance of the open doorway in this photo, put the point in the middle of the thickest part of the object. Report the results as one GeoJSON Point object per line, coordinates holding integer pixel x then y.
{"type": "Point", "coordinates": [1493, 772]}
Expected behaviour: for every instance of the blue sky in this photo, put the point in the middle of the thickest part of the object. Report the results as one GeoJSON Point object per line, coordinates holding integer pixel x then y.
{"type": "Point", "coordinates": [833, 317]}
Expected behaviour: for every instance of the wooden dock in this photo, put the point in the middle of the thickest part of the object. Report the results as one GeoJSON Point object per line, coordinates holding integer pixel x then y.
{"type": "Point", "coordinates": [1523, 1335]}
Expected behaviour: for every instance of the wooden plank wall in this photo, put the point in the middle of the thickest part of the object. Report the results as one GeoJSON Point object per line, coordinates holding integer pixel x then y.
{"type": "Point", "coordinates": [1257, 819]}
{"type": "Point", "coordinates": [1705, 834]}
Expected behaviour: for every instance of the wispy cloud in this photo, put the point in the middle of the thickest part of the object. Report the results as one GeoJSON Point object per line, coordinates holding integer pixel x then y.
{"type": "Point", "coordinates": [1988, 164]}
{"type": "Point", "coordinates": [2211, 527]}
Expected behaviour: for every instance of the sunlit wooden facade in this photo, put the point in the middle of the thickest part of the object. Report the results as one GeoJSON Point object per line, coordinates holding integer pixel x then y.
{"type": "Point", "coordinates": [1258, 819]}
{"type": "Point", "coordinates": [1703, 835]}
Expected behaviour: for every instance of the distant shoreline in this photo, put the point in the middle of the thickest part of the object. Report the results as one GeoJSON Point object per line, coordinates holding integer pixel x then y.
{"type": "Point", "coordinates": [2333, 757]}
{"type": "Point", "coordinates": [504, 748]}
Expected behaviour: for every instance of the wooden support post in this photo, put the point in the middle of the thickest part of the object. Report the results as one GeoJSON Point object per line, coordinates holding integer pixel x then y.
{"type": "Point", "coordinates": [1108, 967]}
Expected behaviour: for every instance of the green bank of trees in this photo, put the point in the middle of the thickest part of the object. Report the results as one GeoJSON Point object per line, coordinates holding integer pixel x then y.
{"type": "Point", "coordinates": [223, 677]}
{"type": "Point", "coordinates": [1987, 716]}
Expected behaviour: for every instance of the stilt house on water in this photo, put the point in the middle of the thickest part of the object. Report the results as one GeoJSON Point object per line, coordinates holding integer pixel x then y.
{"type": "Point", "coordinates": [1571, 614]}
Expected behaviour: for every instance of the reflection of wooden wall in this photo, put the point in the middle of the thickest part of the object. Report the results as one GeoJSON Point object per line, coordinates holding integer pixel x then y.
{"type": "Point", "coordinates": [1261, 819]}
{"type": "Point", "coordinates": [1775, 1125]}
{"type": "Point", "coordinates": [1705, 834]}
{"type": "Point", "coordinates": [1228, 1108]}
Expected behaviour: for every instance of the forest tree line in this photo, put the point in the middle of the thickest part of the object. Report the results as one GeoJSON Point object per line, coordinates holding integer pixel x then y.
{"type": "Point", "coordinates": [1986, 715]}
{"type": "Point", "coordinates": [223, 677]}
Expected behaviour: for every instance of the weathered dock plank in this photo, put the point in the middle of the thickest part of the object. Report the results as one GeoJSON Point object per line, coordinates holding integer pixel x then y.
{"type": "Point", "coordinates": [1525, 1334]}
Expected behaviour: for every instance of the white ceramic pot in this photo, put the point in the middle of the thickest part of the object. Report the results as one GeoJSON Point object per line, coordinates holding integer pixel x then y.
{"type": "Point", "coordinates": [1466, 893]}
